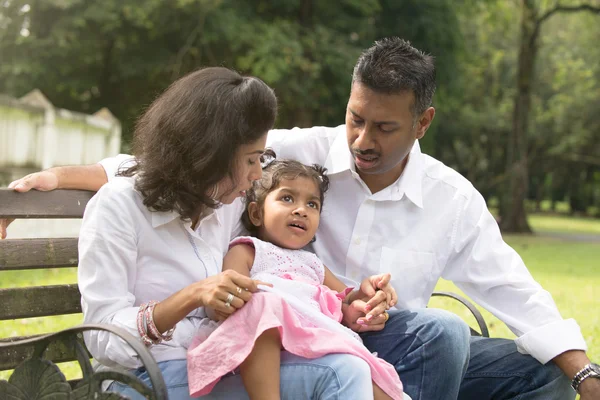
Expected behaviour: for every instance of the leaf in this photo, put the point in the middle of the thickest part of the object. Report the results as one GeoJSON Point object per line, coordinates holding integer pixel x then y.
{"type": "Point", "coordinates": [39, 379]}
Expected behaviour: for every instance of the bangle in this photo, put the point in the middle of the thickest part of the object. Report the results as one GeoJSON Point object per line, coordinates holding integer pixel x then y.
{"type": "Point", "coordinates": [149, 314]}
{"type": "Point", "coordinates": [143, 327]}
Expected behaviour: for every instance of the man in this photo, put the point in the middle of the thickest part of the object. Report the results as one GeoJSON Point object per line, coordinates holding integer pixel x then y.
{"type": "Point", "coordinates": [392, 209]}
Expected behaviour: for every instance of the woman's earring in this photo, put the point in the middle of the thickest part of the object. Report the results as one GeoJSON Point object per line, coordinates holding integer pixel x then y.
{"type": "Point", "coordinates": [314, 239]}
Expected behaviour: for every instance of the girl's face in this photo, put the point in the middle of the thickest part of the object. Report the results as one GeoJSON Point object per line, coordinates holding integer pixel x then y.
{"type": "Point", "coordinates": [248, 169]}
{"type": "Point", "coordinates": [291, 213]}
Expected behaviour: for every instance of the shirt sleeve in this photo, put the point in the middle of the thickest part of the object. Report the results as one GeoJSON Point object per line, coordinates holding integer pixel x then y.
{"type": "Point", "coordinates": [113, 165]}
{"type": "Point", "coordinates": [107, 270]}
{"type": "Point", "coordinates": [307, 145]}
{"type": "Point", "coordinates": [493, 275]}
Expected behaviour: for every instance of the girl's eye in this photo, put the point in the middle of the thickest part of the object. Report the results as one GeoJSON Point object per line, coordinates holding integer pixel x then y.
{"type": "Point", "coordinates": [287, 198]}
{"type": "Point", "coordinates": [313, 204]}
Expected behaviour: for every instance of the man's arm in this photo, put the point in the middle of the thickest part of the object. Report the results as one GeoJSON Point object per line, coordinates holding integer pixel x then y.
{"type": "Point", "coordinates": [492, 274]}
{"type": "Point", "coordinates": [573, 361]}
{"type": "Point", "coordinates": [84, 177]}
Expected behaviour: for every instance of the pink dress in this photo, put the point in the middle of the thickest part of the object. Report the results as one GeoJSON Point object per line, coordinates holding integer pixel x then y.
{"type": "Point", "coordinates": [306, 312]}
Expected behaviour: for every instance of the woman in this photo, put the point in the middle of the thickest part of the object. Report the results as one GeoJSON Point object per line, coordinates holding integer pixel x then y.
{"type": "Point", "coordinates": [152, 241]}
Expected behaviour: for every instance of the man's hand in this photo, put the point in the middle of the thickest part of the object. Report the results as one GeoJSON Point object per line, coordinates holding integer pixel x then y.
{"type": "Point", "coordinates": [374, 283]}
{"type": "Point", "coordinates": [44, 181]}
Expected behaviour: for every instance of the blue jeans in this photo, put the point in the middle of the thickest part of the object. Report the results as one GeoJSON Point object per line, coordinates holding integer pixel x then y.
{"type": "Point", "coordinates": [334, 376]}
{"type": "Point", "coordinates": [437, 358]}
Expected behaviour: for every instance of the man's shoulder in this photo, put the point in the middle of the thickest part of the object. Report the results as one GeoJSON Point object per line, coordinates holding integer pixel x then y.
{"type": "Point", "coordinates": [307, 145]}
{"type": "Point", "coordinates": [442, 177]}
{"type": "Point", "coordinates": [309, 134]}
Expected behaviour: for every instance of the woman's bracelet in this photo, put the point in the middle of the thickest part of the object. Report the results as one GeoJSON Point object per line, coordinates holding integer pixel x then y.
{"type": "Point", "coordinates": [145, 323]}
{"type": "Point", "coordinates": [142, 327]}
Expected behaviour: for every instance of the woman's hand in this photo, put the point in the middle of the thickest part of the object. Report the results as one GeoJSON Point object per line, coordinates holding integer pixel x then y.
{"type": "Point", "coordinates": [228, 287]}
{"type": "Point", "coordinates": [212, 293]}
{"type": "Point", "coordinates": [225, 292]}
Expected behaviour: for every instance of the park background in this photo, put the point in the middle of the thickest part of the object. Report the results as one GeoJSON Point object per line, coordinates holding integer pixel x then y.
{"type": "Point", "coordinates": [517, 105]}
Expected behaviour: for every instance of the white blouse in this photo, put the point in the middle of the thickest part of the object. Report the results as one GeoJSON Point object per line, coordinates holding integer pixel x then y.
{"type": "Point", "coordinates": [129, 255]}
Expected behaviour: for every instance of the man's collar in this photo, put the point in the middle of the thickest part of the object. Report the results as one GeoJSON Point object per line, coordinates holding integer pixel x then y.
{"type": "Point", "coordinates": [340, 159]}
{"type": "Point", "coordinates": [160, 218]}
{"type": "Point", "coordinates": [410, 182]}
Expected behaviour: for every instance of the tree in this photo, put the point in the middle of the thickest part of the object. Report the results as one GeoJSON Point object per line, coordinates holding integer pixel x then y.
{"type": "Point", "coordinates": [514, 217]}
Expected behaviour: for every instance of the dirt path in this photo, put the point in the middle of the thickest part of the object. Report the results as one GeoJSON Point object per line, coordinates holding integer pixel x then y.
{"type": "Point", "coordinates": [573, 237]}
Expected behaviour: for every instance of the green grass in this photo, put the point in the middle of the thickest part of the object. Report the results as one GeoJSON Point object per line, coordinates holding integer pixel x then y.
{"type": "Point", "coordinates": [569, 270]}
{"type": "Point", "coordinates": [564, 224]}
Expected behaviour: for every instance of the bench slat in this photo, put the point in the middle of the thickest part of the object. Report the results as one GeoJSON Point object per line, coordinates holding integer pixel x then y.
{"type": "Point", "coordinates": [11, 357]}
{"type": "Point", "coordinates": [37, 253]}
{"type": "Point", "coordinates": [35, 204]}
{"type": "Point", "coordinates": [39, 301]}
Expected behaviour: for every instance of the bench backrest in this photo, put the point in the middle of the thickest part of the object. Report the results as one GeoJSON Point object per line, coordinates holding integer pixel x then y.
{"type": "Point", "coordinates": [27, 254]}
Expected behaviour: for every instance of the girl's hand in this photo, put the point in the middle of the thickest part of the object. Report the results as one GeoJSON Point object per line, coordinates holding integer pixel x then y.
{"type": "Point", "coordinates": [379, 294]}
{"type": "Point", "coordinates": [225, 292]}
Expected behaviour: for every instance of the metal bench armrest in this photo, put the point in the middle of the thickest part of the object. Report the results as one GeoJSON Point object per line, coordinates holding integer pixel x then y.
{"type": "Point", "coordinates": [22, 378]}
{"type": "Point", "coordinates": [478, 317]}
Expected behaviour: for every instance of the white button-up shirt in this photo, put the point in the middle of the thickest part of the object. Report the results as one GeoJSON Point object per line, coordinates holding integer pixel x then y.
{"type": "Point", "coordinates": [129, 256]}
{"type": "Point", "coordinates": [430, 223]}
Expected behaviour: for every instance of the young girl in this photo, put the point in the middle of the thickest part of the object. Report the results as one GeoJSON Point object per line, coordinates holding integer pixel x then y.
{"type": "Point", "coordinates": [301, 312]}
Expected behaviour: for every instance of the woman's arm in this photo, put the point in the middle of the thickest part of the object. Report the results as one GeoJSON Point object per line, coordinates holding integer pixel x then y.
{"type": "Point", "coordinates": [108, 272]}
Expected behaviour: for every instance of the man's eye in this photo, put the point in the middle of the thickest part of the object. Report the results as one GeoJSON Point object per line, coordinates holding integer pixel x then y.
{"type": "Point", "coordinates": [251, 162]}
{"type": "Point", "coordinates": [357, 121]}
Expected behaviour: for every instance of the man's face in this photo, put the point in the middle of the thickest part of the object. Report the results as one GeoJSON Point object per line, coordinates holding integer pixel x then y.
{"type": "Point", "coordinates": [381, 131]}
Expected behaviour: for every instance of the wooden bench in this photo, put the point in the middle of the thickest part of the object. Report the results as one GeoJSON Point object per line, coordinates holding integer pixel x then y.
{"type": "Point", "coordinates": [32, 355]}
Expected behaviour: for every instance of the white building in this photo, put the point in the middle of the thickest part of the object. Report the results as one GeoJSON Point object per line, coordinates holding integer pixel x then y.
{"type": "Point", "coordinates": [35, 135]}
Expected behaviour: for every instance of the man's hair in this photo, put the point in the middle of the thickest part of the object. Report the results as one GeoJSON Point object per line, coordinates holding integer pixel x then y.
{"type": "Point", "coordinates": [273, 174]}
{"type": "Point", "coordinates": [393, 66]}
{"type": "Point", "coordinates": [187, 140]}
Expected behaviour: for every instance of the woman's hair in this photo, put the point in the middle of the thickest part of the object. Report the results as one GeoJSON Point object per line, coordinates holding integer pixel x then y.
{"type": "Point", "coordinates": [187, 140]}
{"type": "Point", "coordinates": [276, 171]}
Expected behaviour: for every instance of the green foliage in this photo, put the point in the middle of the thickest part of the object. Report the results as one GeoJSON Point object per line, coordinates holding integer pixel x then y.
{"type": "Point", "coordinates": [87, 54]}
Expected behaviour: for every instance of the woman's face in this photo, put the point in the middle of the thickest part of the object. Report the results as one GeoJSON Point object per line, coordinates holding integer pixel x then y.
{"type": "Point", "coordinates": [248, 170]}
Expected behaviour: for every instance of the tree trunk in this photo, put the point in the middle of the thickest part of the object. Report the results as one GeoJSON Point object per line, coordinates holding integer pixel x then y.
{"type": "Point", "coordinates": [514, 217]}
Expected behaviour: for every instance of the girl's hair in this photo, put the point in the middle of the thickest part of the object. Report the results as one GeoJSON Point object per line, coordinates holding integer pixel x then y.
{"type": "Point", "coordinates": [276, 171]}
{"type": "Point", "coordinates": [187, 140]}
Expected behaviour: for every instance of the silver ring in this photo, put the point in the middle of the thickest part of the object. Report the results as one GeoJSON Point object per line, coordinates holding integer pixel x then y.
{"type": "Point", "coordinates": [229, 300]}
{"type": "Point", "coordinates": [239, 290]}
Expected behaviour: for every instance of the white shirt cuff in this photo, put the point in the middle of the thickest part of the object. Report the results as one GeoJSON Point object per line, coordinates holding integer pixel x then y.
{"type": "Point", "coordinates": [550, 340]}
